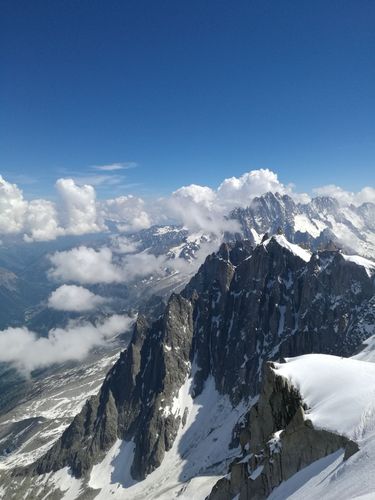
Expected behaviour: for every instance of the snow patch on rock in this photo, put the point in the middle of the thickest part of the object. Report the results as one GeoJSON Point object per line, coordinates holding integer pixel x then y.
{"type": "Point", "coordinates": [295, 249]}
{"type": "Point", "coordinates": [369, 265]}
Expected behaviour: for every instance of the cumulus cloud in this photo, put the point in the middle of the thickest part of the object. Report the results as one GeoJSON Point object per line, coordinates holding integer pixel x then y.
{"type": "Point", "coordinates": [243, 189]}
{"type": "Point", "coordinates": [128, 212]}
{"type": "Point", "coordinates": [202, 208]}
{"type": "Point", "coordinates": [74, 298]}
{"type": "Point", "coordinates": [78, 211]}
{"type": "Point", "coordinates": [12, 208]}
{"type": "Point", "coordinates": [201, 195]}
{"type": "Point", "coordinates": [143, 264]}
{"type": "Point", "coordinates": [198, 208]}
{"type": "Point", "coordinates": [42, 220]}
{"type": "Point", "coordinates": [239, 191]}
{"type": "Point", "coordinates": [26, 351]}
{"type": "Point", "coordinates": [86, 266]}
{"type": "Point", "coordinates": [367, 194]}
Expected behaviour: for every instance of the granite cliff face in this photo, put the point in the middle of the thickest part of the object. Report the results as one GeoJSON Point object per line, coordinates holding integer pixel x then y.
{"type": "Point", "coordinates": [140, 385]}
{"type": "Point", "coordinates": [278, 441]}
{"type": "Point", "coordinates": [245, 306]}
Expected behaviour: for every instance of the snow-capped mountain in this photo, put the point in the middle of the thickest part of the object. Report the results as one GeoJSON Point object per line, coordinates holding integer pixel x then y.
{"type": "Point", "coordinates": [314, 224]}
{"type": "Point", "coordinates": [175, 407]}
{"type": "Point", "coordinates": [25, 284]}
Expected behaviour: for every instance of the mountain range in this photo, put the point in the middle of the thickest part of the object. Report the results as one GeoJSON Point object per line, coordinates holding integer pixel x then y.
{"type": "Point", "coordinates": [218, 393]}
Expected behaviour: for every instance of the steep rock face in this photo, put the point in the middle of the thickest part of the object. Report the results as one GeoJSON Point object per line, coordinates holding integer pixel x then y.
{"type": "Point", "coordinates": [266, 214]}
{"type": "Point", "coordinates": [130, 404]}
{"type": "Point", "coordinates": [94, 429]}
{"type": "Point", "coordinates": [243, 307]}
{"type": "Point", "coordinates": [277, 442]}
{"type": "Point", "coordinates": [274, 303]}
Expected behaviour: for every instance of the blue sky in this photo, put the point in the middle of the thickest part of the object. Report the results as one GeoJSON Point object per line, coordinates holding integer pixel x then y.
{"type": "Point", "coordinates": [190, 91]}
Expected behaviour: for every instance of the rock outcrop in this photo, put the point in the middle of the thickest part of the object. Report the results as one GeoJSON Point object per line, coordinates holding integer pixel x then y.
{"type": "Point", "coordinates": [277, 442]}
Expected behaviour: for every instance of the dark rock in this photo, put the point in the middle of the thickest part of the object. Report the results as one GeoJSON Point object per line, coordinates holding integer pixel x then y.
{"type": "Point", "coordinates": [273, 458]}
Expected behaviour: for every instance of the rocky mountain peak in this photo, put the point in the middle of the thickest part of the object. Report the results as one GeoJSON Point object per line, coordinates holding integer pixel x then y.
{"type": "Point", "coordinates": [245, 305]}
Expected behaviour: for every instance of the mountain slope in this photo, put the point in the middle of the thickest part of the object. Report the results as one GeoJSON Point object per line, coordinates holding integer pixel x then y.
{"type": "Point", "coordinates": [243, 307]}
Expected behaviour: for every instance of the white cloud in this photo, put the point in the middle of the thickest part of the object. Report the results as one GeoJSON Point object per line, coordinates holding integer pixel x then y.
{"type": "Point", "coordinates": [41, 221]}
{"type": "Point", "coordinates": [12, 208]}
{"type": "Point", "coordinates": [202, 208]}
{"type": "Point", "coordinates": [201, 195]}
{"type": "Point", "coordinates": [26, 351]}
{"type": "Point", "coordinates": [367, 194]}
{"type": "Point", "coordinates": [239, 191]}
{"type": "Point", "coordinates": [99, 180]}
{"type": "Point", "coordinates": [198, 208]}
{"type": "Point", "coordinates": [74, 298]}
{"type": "Point", "coordinates": [111, 167]}
{"type": "Point", "coordinates": [78, 211]}
{"type": "Point", "coordinates": [143, 264]}
{"type": "Point", "coordinates": [128, 212]}
{"type": "Point", "coordinates": [86, 266]}
{"type": "Point", "coordinates": [123, 245]}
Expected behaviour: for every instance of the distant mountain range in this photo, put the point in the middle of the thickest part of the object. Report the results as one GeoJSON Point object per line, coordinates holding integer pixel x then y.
{"type": "Point", "coordinates": [24, 283]}
{"type": "Point", "coordinates": [314, 224]}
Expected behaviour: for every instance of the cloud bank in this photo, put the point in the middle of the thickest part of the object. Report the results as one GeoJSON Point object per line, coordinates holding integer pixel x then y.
{"type": "Point", "coordinates": [77, 210]}
{"type": "Point", "coordinates": [120, 264]}
{"type": "Point", "coordinates": [26, 351]}
{"type": "Point", "coordinates": [345, 198]}
{"type": "Point", "coordinates": [85, 265]}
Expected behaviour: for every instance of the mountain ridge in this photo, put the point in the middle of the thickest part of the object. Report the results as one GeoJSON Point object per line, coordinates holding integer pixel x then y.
{"type": "Point", "coordinates": [244, 306]}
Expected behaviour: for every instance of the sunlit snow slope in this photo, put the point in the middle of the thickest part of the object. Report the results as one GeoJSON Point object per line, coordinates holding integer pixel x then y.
{"type": "Point", "coordinates": [340, 393]}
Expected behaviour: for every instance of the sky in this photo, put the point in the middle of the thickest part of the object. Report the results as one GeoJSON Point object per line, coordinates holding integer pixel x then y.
{"type": "Point", "coordinates": [144, 97]}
